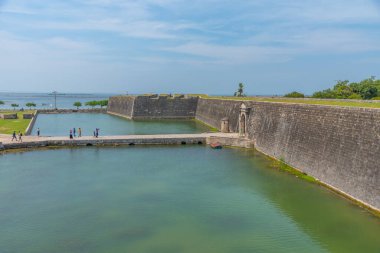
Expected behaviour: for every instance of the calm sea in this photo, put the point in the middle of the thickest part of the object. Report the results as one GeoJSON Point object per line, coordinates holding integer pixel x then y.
{"type": "Point", "coordinates": [47, 100]}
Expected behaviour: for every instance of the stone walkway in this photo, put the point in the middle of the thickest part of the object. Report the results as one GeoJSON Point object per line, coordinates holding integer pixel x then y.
{"type": "Point", "coordinates": [34, 141]}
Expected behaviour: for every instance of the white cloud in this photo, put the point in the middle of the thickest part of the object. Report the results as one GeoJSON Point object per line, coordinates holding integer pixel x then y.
{"type": "Point", "coordinates": [218, 33]}
{"type": "Point", "coordinates": [232, 54]}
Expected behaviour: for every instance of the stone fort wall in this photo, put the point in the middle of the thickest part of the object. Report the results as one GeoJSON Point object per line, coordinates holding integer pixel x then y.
{"type": "Point", "coordinates": [340, 146]}
{"type": "Point", "coordinates": [153, 107]}
{"type": "Point", "coordinates": [121, 105]}
{"type": "Point", "coordinates": [165, 107]}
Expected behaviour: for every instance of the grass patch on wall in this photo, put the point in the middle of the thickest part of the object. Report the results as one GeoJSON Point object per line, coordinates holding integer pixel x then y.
{"type": "Point", "coordinates": [342, 102]}
{"type": "Point", "coordinates": [7, 126]}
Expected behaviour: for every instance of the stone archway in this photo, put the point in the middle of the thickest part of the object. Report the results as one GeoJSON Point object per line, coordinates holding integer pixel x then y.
{"type": "Point", "coordinates": [243, 120]}
{"type": "Point", "coordinates": [242, 125]}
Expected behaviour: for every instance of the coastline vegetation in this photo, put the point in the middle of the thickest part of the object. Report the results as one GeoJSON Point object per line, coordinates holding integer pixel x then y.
{"type": "Point", "coordinates": [365, 93]}
{"type": "Point", "coordinates": [95, 103]}
{"type": "Point", "coordinates": [14, 106]}
{"type": "Point", "coordinates": [240, 91]}
{"type": "Point", "coordinates": [366, 89]}
{"type": "Point", "coordinates": [30, 105]}
{"type": "Point", "coordinates": [77, 105]}
{"type": "Point", "coordinates": [294, 94]}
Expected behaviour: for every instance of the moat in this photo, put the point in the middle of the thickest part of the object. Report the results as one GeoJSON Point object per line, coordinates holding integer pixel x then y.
{"type": "Point", "coordinates": [170, 199]}
{"type": "Point", "coordinates": [60, 125]}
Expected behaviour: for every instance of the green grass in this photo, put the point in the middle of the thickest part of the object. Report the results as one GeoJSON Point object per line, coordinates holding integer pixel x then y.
{"type": "Point", "coordinates": [7, 126]}
{"type": "Point", "coordinates": [343, 102]}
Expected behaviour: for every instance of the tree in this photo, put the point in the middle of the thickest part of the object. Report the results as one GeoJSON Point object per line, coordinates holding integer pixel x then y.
{"type": "Point", "coordinates": [30, 105]}
{"type": "Point", "coordinates": [2, 102]}
{"type": "Point", "coordinates": [368, 91]}
{"type": "Point", "coordinates": [103, 103]}
{"type": "Point", "coordinates": [77, 104]}
{"type": "Point", "coordinates": [324, 94]}
{"type": "Point", "coordinates": [343, 89]}
{"type": "Point", "coordinates": [365, 89]}
{"type": "Point", "coordinates": [240, 91]}
{"type": "Point", "coordinates": [14, 106]}
{"type": "Point", "coordinates": [92, 103]}
{"type": "Point", "coordinates": [294, 94]}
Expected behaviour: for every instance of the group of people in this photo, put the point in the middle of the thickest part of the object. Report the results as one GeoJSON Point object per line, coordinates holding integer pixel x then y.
{"type": "Point", "coordinates": [17, 137]}
{"type": "Point", "coordinates": [73, 133]}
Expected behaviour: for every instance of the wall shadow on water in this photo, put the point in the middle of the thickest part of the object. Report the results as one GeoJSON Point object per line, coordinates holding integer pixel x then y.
{"type": "Point", "coordinates": [336, 223]}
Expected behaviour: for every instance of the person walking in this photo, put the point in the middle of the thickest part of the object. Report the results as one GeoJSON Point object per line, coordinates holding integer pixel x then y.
{"type": "Point", "coordinates": [19, 136]}
{"type": "Point", "coordinates": [14, 137]}
{"type": "Point", "coordinates": [79, 132]}
{"type": "Point", "coordinates": [74, 132]}
{"type": "Point", "coordinates": [97, 132]}
{"type": "Point", "coordinates": [38, 132]}
{"type": "Point", "coordinates": [71, 134]}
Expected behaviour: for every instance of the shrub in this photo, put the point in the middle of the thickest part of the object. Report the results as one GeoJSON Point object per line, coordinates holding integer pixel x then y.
{"type": "Point", "coordinates": [355, 96]}
{"type": "Point", "coordinates": [294, 94]}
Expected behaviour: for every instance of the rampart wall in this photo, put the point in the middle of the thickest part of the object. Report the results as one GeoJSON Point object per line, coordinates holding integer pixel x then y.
{"type": "Point", "coordinates": [212, 111]}
{"type": "Point", "coordinates": [121, 105]}
{"type": "Point", "coordinates": [340, 146]}
{"type": "Point", "coordinates": [153, 107]}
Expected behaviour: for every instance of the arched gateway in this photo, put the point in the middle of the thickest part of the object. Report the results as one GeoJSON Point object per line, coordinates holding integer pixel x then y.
{"type": "Point", "coordinates": [243, 115]}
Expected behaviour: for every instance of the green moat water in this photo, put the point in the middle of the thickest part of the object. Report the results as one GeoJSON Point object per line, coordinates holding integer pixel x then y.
{"type": "Point", "coordinates": [170, 199]}
{"type": "Point", "coordinates": [60, 125]}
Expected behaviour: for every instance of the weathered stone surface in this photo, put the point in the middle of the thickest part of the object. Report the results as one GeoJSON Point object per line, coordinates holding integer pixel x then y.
{"type": "Point", "coordinates": [163, 139]}
{"type": "Point", "coordinates": [8, 116]}
{"type": "Point", "coordinates": [27, 115]}
{"type": "Point", "coordinates": [148, 107]}
{"type": "Point", "coordinates": [28, 130]}
{"type": "Point", "coordinates": [230, 141]}
{"type": "Point", "coordinates": [338, 145]}
{"type": "Point", "coordinates": [121, 105]}
{"type": "Point", "coordinates": [212, 111]}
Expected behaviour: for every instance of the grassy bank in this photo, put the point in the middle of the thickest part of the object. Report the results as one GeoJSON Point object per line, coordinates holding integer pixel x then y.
{"type": "Point", "coordinates": [7, 126]}
{"type": "Point", "coordinates": [343, 102]}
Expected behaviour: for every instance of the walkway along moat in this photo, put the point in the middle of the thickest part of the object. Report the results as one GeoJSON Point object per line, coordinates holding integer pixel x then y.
{"type": "Point", "coordinates": [229, 139]}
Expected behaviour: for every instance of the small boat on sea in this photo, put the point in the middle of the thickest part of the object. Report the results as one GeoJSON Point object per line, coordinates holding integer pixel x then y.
{"type": "Point", "coordinates": [216, 145]}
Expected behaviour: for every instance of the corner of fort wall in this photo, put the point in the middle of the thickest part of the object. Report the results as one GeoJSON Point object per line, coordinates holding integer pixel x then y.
{"type": "Point", "coordinates": [153, 107]}
{"type": "Point", "coordinates": [121, 106]}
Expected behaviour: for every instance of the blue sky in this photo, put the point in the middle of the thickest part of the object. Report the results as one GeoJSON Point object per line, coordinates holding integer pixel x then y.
{"type": "Point", "coordinates": [179, 46]}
